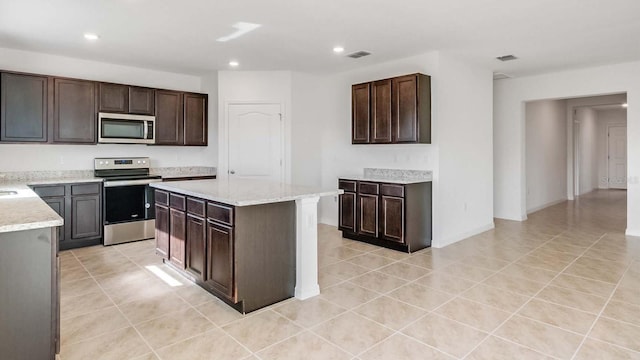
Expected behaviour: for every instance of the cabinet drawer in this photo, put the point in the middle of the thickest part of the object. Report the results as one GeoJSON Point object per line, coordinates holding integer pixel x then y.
{"type": "Point", "coordinates": [85, 189]}
{"type": "Point", "coordinates": [177, 202]}
{"type": "Point", "coordinates": [347, 185]}
{"type": "Point", "coordinates": [162, 197]}
{"type": "Point", "coordinates": [392, 190]}
{"type": "Point", "coordinates": [49, 191]}
{"type": "Point", "coordinates": [220, 213]}
{"type": "Point", "coordinates": [196, 207]}
{"type": "Point", "coordinates": [368, 188]}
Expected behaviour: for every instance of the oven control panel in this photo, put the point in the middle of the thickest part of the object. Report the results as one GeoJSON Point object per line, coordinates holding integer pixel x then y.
{"type": "Point", "coordinates": [121, 163]}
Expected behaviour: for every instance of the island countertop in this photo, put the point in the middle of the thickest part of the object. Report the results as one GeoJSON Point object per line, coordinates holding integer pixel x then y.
{"type": "Point", "coordinates": [243, 192]}
{"type": "Point", "coordinates": [24, 210]}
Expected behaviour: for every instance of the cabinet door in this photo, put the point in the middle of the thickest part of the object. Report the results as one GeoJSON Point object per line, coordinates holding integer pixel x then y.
{"type": "Point", "coordinates": [381, 111]}
{"type": "Point", "coordinates": [85, 217]}
{"type": "Point", "coordinates": [392, 215]}
{"type": "Point", "coordinates": [405, 108]}
{"type": "Point", "coordinates": [196, 242]}
{"type": "Point", "coordinates": [220, 258]}
{"type": "Point", "coordinates": [162, 231]}
{"type": "Point", "coordinates": [169, 121]}
{"type": "Point", "coordinates": [57, 204]}
{"type": "Point", "coordinates": [360, 113]}
{"type": "Point", "coordinates": [177, 235]}
{"type": "Point", "coordinates": [141, 100]}
{"type": "Point", "coordinates": [113, 98]}
{"type": "Point", "coordinates": [195, 119]}
{"type": "Point", "coordinates": [368, 215]}
{"type": "Point", "coordinates": [347, 211]}
{"type": "Point", "coordinates": [23, 108]}
{"type": "Point", "coordinates": [74, 113]}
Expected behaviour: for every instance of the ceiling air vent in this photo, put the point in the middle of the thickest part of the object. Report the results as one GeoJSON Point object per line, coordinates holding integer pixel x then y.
{"type": "Point", "coordinates": [500, 76]}
{"type": "Point", "coordinates": [359, 54]}
{"type": "Point", "coordinates": [506, 57]}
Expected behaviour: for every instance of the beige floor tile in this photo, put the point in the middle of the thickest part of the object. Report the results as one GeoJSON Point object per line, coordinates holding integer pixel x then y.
{"type": "Point", "coordinates": [76, 273]}
{"type": "Point", "coordinates": [589, 286]}
{"type": "Point", "coordinates": [325, 280]}
{"type": "Point", "coordinates": [78, 287]}
{"type": "Point", "coordinates": [473, 314]}
{"type": "Point", "coordinates": [401, 347]}
{"type": "Point", "coordinates": [303, 346]}
{"type": "Point", "coordinates": [310, 312]}
{"type": "Point", "coordinates": [494, 348]}
{"type": "Point", "coordinates": [134, 291]}
{"type": "Point", "coordinates": [495, 297]}
{"type": "Point", "coordinates": [148, 356]}
{"type": "Point", "coordinates": [562, 246]}
{"type": "Point", "coordinates": [138, 277]}
{"type": "Point", "coordinates": [218, 312]}
{"type": "Point", "coordinates": [623, 311]}
{"type": "Point", "coordinates": [69, 262]}
{"type": "Point", "coordinates": [391, 254]}
{"type": "Point", "coordinates": [631, 280]}
{"type": "Point", "coordinates": [421, 296]}
{"type": "Point", "coordinates": [146, 260]}
{"type": "Point", "coordinates": [371, 261]}
{"type": "Point", "coordinates": [100, 265]}
{"type": "Point", "coordinates": [428, 261]}
{"type": "Point", "coordinates": [194, 294]}
{"type": "Point", "coordinates": [546, 261]}
{"type": "Point", "coordinates": [85, 252]}
{"type": "Point", "coordinates": [362, 246]}
{"type": "Point", "coordinates": [630, 295]}
{"type": "Point", "coordinates": [174, 327]}
{"type": "Point", "coordinates": [529, 273]}
{"type": "Point", "coordinates": [618, 333]}
{"type": "Point", "coordinates": [484, 262]}
{"type": "Point", "coordinates": [624, 258]}
{"type": "Point", "coordinates": [445, 335]}
{"type": "Point", "coordinates": [352, 332]}
{"type": "Point", "coordinates": [261, 330]}
{"type": "Point", "coordinates": [84, 304]}
{"type": "Point", "coordinates": [390, 312]}
{"type": "Point", "coordinates": [120, 344]}
{"type": "Point", "coordinates": [90, 325]}
{"type": "Point", "coordinates": [594, 349]}
{"type": "Point", "coordinates": [466, 272]}
{"type": "Point", "coordinates": [213, 344]}
{"type": "Point", "coordinates": [540, 337]}
{"type": "Point", "coordinates": [152, 307]}
{"type": "Point", "coordinates": [572, 298]}
{"type": "Point", "coordinates": [514, 284]}
{"type": "Point", "coordinates": [379, 282]}
{"type": "Point", "coordinates": [344, 270]}
{"type": "Point", "coordinates": [446, 283]}
{"type": "Point", "coordinates": [348, 295]}
{"type": "Point", "coordinates": [342, 252]}
{"type": "Point", "coordinates": [607, 271]}
{"type": "Point", "coordinates": [404, 271]}
{"type": "Point", "coordinates": [557, 315]}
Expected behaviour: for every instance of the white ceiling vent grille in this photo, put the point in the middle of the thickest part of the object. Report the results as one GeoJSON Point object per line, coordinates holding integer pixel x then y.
{"type": "Point", "coordinates": [359, 54]}
{"type": "Point", "coordinates": [500, 76]}
{"type": "Point", "coordinates": [506, 57]}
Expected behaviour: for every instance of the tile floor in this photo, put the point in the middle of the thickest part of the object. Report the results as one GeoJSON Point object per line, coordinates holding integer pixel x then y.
{"type": "Point", "coordinates": [563, 285]}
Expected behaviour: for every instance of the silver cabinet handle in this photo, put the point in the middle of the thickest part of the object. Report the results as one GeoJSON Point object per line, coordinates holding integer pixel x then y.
{"type": "Point", "coordinates": [232, 172]}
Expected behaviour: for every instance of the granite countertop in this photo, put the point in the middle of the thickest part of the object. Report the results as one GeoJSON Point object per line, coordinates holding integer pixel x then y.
{"type": "Point", "coordinates": [243, 192]}
{"type": "Point", "coordinates": [392, 176]}
{"type": "Point", "coordinates": [188, 171]}
{"type": "Point", "coordinates": [25, 210]}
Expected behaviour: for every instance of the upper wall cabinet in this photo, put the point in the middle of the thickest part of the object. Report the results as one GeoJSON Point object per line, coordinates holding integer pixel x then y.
{"type": "Point", "coordinates": [169, 118]}
{"type": "Point", "coordinates": [74, 111]}
{"type": "Point", "coordinates": [23, 107]}
{"type": "Point", "coordinates": [392, 111]}
{"type": "Point", "coordinates": [195, 119]}
{"type": "Point", "coordinates": [119, 98]}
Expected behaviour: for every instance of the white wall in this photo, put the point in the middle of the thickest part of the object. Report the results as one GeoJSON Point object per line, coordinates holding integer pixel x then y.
{"type": "Point", "coordinates": [509, 98]}
{"type": "Point", "coordinates": [254, 87]}
{"type": "Point", "coordinates": [546, 153]}
{"type": "Point", "coordinates": [460, 155]}
{"type": "Point", "coordinates": [21, 157]}
{"type": "Point", "coordinates": [587, 157]}
{"type": "Point", "coordinates": [606, 118]}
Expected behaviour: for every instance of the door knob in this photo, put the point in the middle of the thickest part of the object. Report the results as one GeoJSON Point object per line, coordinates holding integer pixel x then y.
{"type": "Point", "coordinates": [232, 172]}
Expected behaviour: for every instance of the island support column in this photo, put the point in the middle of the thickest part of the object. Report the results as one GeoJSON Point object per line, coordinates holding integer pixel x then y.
{"type": "Point", "coordinates": [307, 248]}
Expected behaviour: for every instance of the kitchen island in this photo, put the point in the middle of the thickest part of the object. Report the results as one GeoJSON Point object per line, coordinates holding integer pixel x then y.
{"type": "Point", "coordinates": [251, 243]}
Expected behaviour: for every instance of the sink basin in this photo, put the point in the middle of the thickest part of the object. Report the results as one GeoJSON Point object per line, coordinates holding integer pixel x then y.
{"type": "Point", "coordinates": [8, 192]}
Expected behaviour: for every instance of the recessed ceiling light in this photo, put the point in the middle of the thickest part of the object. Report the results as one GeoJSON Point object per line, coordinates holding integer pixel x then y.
{"type": "Point", "coordinates": [338, 49]}
{"type": "Point", "coordinates": [91, 36]}
{"type": "Point", "coordinates": [242, 28]}
{"type": "Point", "coordinates": [233, 63]}
{"type": "Point", "coordinates": [625, 105]}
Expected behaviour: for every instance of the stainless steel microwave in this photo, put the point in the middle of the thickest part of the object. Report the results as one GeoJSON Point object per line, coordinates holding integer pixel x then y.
{"type": "Point", "coordinates": [126, 129]}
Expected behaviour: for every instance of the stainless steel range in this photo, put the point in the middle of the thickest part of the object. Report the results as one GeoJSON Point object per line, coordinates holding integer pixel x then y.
{"type": "Point", "coordinates": [129, 213]}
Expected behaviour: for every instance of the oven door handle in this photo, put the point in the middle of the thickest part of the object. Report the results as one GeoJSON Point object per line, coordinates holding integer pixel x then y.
{"type": "Point", "coordinates": [130, 182]}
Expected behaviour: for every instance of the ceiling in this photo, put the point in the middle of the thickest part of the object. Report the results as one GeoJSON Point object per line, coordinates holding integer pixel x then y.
{"type": "Point", "coordinates": [180, 36]}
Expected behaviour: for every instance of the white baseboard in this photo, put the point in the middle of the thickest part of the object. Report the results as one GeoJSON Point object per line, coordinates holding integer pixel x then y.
{"type": "Point", "coordinates": [632, 232]}
{"type": "Point", "coordinates": [453, 239]}
{"type": "Point", "coordinates": [544, 206]}
{"type": "Point", "coordinates": [511, 218]}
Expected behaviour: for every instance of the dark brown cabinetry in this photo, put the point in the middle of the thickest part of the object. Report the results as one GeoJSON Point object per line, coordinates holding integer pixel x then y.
{"type": "Point", "coordinates": [141, 100]}
{"type": "Point", "coordinates": [118, 98]}
{"type": "Point", "coordinates": [396, 110]}
{"type": "Point", "coordinates": [220, 258]}
{"type": "Point", "coordinates": [162, 226]}
{"type": "Point", "coordinates": [397, 216]}
{"type": "Point", "coordinates": [23, 108]}
{"type": "Point", "coordinates": [195, 119]}
{"type": "Point", "coordinates": [74, 111]}
{"type": "Point", "coordinates": [197, 235]}
{"type": "Point", "coordinates": [80, 205]}
{"type": "Point", "coordinates": [177, 230]}
{"type": "Point", "coordinates": [169, 118]}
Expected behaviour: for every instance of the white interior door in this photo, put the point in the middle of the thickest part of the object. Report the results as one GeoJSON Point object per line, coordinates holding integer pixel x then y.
{"type": "Point", "coordinates": [256, 148]}
{"type": "Point", "coordinates": [618, 157]}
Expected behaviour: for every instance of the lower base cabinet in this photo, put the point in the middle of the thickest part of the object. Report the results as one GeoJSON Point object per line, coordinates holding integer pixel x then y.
{"type": "Point", "coordinates": [396, 216]}
{"type": "Point", "coordinates": [244, 255]}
